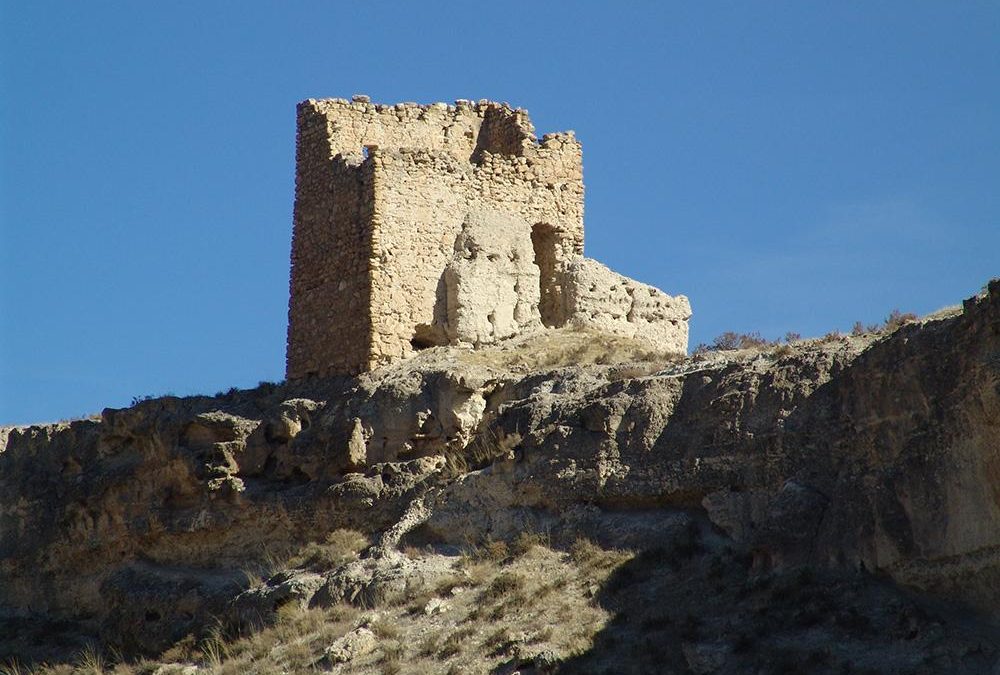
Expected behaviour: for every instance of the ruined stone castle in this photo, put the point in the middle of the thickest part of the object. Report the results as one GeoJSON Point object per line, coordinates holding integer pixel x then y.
{"type": "Point", "coordinates": [423, 225]}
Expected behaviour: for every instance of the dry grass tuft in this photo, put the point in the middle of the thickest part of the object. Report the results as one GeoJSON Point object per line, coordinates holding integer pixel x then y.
{"type": "Point", "coordinates": [339, 546]}
{"type": "Point", "coordinates": [12, 667]}
{"type": "Point", "coordinates": [455, 642]}
{"type": "Point", "coordinates": [754, 341]}
{"type": "Point", "coordinates": [448, 584]}
{"type": "Point", "coordinates": [489, 445]}
{"type": "Point", "coordinates": [392, 651]}
{"type": "Point", "coordinates": [525, 542]}
{"type": "Point", "coordinates": [893, 322]}
{"type": "Point", "coordinates": [493, 550]}
{"type": "Point", "coordinates": [595, 562]}
{"type": "Point", "coordinates": [497, 642]}
{"type": "Point", "coordinates": [385, 629]}
{"type": "Point", "coordinates": [505, 584]}
{"type": "Point", "coordinates": [500, 599]}
{"type": "Point", "coordinates": [557, 348]}
{"type": "Point", "coordinates": [90, 662]}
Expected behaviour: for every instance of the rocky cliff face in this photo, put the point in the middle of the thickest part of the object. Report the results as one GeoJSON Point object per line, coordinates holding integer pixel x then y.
{"type": "Point", "coordinates": [876, 456]}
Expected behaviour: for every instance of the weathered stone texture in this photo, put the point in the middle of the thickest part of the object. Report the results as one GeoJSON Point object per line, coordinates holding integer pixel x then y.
{"type": "Point", "coordinates": [384, 195]}
{"type": "Point", "coordinates": [492, 284]}
{"type": "Point", "coordinates": [331, 244]}
{"type": "Point", "coordinates": [600, 298]}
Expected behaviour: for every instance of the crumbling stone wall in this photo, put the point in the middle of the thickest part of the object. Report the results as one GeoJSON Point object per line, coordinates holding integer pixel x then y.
{"type": "Point", "coordinates": [330, 287]}
{"type": "Point", "coordinates": [382, 193]}
{"type": "Point", "coordinates": [420, 225]}
{"type": "Point", "coordinates": [423, 199]}
{"type": "Point", "coordinates": [492, 285]}
{"type": "Point", "coordinates": [597, 297]}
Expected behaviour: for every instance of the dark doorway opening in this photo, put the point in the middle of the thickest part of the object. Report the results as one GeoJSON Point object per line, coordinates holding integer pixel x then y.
{"type": "Point", "coordinates": [546, 242]}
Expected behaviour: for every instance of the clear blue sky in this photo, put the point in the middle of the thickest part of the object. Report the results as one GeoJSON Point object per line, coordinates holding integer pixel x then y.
{"type": "Point", "coordinates": [790, 166]}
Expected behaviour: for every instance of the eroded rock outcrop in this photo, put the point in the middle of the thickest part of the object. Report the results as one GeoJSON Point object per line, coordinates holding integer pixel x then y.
{"type": "Point", "coordinates": [873, 452]}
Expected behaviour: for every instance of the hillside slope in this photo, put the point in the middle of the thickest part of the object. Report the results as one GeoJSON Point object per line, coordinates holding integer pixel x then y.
{"type": "Point", "coordinates": [562, 502]}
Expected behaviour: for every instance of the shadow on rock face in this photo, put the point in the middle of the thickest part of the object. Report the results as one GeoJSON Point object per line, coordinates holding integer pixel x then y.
{"type": "Point", "coordinates": [696, 606]}
{"type": "Point", "coordinates": [152, 607]}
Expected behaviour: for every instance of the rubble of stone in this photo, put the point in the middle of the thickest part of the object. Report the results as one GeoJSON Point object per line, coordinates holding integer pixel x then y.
{"type": "Point", "coordinates": [423, 225]}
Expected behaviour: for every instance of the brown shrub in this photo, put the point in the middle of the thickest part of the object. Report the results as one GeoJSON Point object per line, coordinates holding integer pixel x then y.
{"type": "Point", "coordinates": [731, 340]}
{"type": "Point", "coordinates": [526, 541]}
{"type": "Point", "coordinates": [897, 319]}
{"type": "Point", "coordinates": [339, 546]}
{"type": "Point", "coordinates": [489, 445]}
{"type": "Point", "coordinates": [505, 584]}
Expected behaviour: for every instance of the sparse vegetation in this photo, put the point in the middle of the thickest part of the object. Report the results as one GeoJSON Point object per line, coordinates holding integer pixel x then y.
{"type": "Point", "coordinates": [630, 371]}
{"type": "Point", "coordinates": [498, 642]}
{"type": "Point", "coordinates": [860, 329]}
{"type": "Point", "coordinates": [385, 629]}
{"type": "Point", "coordinates": [730, 340]}
{"type": "Point", "coordinates": [490, 551]}
{"type": "Point", "coordinates": [266, 387]}
{"type": "Point", "coordinates": [338, 546]}
{"type": "Point", "coordinates": [526, 541]}
{"type": "Point", "coordinates": [12, 667]}
{"type": "Point", "coordinates": [453, 644]}
{"type": "Point", "coordinates": [591, 558]}
{"type": "Point", "coordinates": [894, 321]}
{"type": "Point", "coordinates": [584, 552]}
{"type": "Point", "coordinates": [490, 445]}
{"type": "Point", "coordinates": [392, 651]}
{"type": "Point", "coordinates": [504, 602]}
{"type": "Point", "coordinates": [556, 348]}
{"type": "Point", "coordinates": [503, 585]}
{"type": "Point", "coordinates": [534, 600]}
{"type": "Point", "coordinates": [782, 350]}
{"type": "Point", "coordinates": [503, 611]}
{"type": "Point", "coordinates": [897, 319]}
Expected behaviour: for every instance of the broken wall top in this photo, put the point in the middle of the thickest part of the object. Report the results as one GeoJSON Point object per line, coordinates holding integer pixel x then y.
{"type": "Point", "coordinates": [466, 130]}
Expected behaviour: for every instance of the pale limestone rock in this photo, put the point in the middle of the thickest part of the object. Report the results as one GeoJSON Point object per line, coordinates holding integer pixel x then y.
{"type": "Point", "coordinates": [357, 448]}
{"type": "Point", "coordinates": [409, 411]}
{"type": "Point", "coordinates": [358, 642]}
{"type": "Point", "coordinates": [289, 587]}
{"type": "Point", "coordinates": [879, 452]}
{"type": "Point", "coordinates": [435, 606]}
{"type": "Point", "coordinates": [379, 578]}
{"type": "Point", "coordinates": [175, 670]}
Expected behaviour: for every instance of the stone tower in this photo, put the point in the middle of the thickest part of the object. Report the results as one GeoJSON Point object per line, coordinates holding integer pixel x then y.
{"type": "Point", "coordinates": [421, 225]}
{"type": "Point", "coordinates": [381, 193]}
